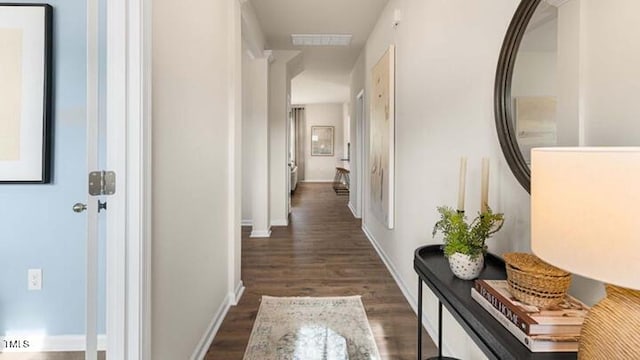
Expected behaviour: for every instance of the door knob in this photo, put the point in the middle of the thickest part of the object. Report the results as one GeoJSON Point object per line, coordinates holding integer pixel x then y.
{"type": "Point", "coordinates": [79, 207]}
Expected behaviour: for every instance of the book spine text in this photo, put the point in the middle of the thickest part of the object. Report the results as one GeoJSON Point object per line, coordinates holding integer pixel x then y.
{"type": "Point", "coordinates": [509, 313]}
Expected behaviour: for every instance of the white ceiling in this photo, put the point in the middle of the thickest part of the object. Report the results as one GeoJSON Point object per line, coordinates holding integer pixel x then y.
{"type": "Point", "coordinates": [327, 68]}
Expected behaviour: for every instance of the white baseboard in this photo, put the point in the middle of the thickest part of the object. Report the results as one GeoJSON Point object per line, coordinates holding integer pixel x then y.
{"type": "Point", "coordinates": [413, 302]}
{"type": "Point", "coordinates": [353, 210]}
{"type": "Point", "coordinates": [246, 223]}
{"type": "Point", "coordinates": [280, 222]}
{"type": "Point", "coordinates": [260, 234]}
{"type": "Point", "coordinates": [317, 181]}
{"type": "Point", "coordinates": [202, 347]}
{"type": "Point", "coordinates": [237, 294]}
{"type": "Point", "coordinates": [40, 343]}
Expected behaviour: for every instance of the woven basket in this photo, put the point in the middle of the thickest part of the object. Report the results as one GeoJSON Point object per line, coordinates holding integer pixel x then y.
{"type": "Point", "coordinates": [535, 282]}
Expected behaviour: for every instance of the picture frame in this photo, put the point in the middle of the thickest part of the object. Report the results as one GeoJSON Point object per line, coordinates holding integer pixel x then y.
{"type": "Point", "coordinates": [535, 123]}
{"type": "Point", "coordinates": [382, 139]}
{"type": "Point", "coordinates": [322, 140]}
{"type": "Point", "coordinates": [26, 42]}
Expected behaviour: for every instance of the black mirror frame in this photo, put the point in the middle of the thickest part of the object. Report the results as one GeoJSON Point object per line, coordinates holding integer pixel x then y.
{"type": "Point", "coordinates": [502, 92]}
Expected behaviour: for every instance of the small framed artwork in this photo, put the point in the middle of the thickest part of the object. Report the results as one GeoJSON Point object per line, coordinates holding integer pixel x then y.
{"type": "Point", "coordinates": [322, 141]}
{"type": "Point", "coordinates": [25, 93]}
{"type": "Point", "coordinates": [535, 120]}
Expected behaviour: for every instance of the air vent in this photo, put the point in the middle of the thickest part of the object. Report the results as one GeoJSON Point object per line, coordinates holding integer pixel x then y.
{"type": "Point", "coordinates": [321, 39]}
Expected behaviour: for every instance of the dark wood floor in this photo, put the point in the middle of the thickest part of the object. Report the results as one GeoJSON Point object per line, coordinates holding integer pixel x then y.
{"type": "Point", "coordinates": [322, 253]}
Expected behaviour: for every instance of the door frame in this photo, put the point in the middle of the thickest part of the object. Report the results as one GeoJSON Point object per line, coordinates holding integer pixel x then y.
{"type": "Point", "coordinates": [360, 149]}
{"type": "Point", "coordinates": [128, 243]}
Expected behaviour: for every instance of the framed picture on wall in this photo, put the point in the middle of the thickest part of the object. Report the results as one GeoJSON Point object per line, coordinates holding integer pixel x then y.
{"type": "Point", "coordinates": [25, 93]}
{"type": "Point", "coordinates": [535, 120]}
{"type": "Point", "coordinates": [322, 140]}
{"type": "Point", "coordinates": [381, 139]}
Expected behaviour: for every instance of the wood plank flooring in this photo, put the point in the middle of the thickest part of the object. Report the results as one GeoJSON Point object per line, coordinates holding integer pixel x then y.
{"type": "Point", "coordinates": [322, 253]}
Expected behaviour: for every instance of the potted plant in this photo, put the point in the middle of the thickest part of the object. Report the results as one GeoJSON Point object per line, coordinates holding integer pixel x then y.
{"type": "Point", "coordinates": [464, 243]}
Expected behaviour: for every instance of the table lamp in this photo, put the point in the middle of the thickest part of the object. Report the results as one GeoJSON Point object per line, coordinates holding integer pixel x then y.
{"type": "Point", "coordinates": [585, 212]}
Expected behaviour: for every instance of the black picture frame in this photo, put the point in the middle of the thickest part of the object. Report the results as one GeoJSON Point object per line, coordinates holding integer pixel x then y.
{"type": "Point", "coordinates": [42, 169]}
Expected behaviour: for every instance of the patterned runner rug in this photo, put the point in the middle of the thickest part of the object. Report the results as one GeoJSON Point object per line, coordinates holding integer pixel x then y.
{"type": "Point", "coordinates": [304, 328]}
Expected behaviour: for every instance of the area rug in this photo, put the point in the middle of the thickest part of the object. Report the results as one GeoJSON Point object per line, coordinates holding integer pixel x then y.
{"type": "Point", "coordinates": [305, 328]}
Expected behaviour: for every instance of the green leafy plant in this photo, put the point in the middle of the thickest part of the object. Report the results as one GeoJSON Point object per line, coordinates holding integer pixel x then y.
{"type": "Point", "coordinates": [461, 237]}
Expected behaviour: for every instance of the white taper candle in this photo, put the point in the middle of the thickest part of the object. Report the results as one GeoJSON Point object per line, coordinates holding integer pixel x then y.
{"type": "Point", "coordinates": [484, 190]}
{"type": "Point", "coordinates": [462, 183]}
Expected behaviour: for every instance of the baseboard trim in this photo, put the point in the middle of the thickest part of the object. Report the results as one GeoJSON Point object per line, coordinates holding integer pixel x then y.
{"type": "Point", "coordinates": [237, 294]}
{"type": "Point", "coordinates": [281, 222]}
{"type": "Point", "coordinates": [413, 302]}
{"type": "Point", "coordinates": [260, 234]}
{"type": "Point", "coordinates": [55, 343]}
{"type": "Point", "coordinates": [317, 181]}
{"type": "Point", "coordinates": [204, 343]}
{"type": "Point", "coordinates": [246, 223]}
{"type": "Point", "coordinates": [353, 210]}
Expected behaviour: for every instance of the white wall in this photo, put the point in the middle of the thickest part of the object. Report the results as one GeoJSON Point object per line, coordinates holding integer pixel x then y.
{"type": "Point", "coordinates": [610, 78]}
{"type": "Point", "coordinates": [192, 148]}
{"type": "Point", "coordinates": [535, 74]}
{"type": "Point", "coordinates": [568, 125]}
{"type": "Point", "coordinates": [255, 125]}
{"type": "Point", "coordinates": [323, 168]}
{"type": "Point", "coordinates": [535, 70]}
{"type": "Point", "coordinates": [248, 148]}
{"type": "Point", "coordinates": [279, 103]}
{"type": "Point", "coordinates": [447, 53]}
{"type": "Point", "coordinates": [255, 151]}
{"type": "Point", "coordinates": [252, 32]}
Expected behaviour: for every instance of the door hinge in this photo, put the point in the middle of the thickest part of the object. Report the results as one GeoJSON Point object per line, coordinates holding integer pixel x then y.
{"type": "Point", "coordinates": [102, 183]}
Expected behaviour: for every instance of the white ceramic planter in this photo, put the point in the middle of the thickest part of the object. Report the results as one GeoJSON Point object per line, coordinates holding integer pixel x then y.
{"type": "Point", "coordinates": [464, 267]}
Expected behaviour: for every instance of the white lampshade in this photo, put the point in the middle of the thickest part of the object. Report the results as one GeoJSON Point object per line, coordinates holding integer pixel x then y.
{"type": "Point", "coordinates": [585, 215]}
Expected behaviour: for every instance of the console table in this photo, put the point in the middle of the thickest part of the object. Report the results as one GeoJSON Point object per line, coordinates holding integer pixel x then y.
{"type": "Point", "coordinates": [455, 294]}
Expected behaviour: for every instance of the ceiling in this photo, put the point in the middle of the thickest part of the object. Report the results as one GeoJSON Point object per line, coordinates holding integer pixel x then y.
{"type": "Point", "coordinates": [327, 68]}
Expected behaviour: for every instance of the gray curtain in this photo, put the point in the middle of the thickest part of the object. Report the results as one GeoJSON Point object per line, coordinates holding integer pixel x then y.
{"type": "Point", "coordinates": [301, 128]}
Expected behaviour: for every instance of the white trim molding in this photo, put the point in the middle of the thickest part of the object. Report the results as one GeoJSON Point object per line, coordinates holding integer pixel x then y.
{"type": "Point", "coordinates": [246, 223]}
{"type": "Point", "coordinates": [260, 234]}
{"type": "Point", "coordinates": [129, 155]}
{"type": "Point", "coordinates": [316, 181]}
{"type": "Point", "coordinates": [117, 215]}
{"type": "Point", "coordinates": [206, 340]}
{"type": "Point", "coordinates": [139, 183]}
{"type": "Point", "coordinates": [234, 167]}
{"type": "Point", "coordinates": [37, 343]}
{"type": "Point", "coordinates": [93, 136]}
{"type": "Point", "coordinates": [353, 211]}
{"type": "Point", "coordinates": [237, 294]}
{"type": "Point", "coordinates": [280, 222]}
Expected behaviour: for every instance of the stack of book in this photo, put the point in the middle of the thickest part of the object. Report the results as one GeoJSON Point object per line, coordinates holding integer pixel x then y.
{"type": "Point", "coordinates": [540, 330]}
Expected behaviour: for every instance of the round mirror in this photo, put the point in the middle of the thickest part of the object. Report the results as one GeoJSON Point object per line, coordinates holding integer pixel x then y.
{"type": "Point", "coordinates": [568, 75]}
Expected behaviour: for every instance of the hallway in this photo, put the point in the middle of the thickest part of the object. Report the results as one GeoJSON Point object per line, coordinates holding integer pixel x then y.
{"type": "Point", "coordinates": [322, 253]}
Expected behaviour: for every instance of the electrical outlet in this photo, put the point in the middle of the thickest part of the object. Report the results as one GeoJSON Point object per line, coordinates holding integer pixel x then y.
{"type": "Point", "coordinates": [34, 279]}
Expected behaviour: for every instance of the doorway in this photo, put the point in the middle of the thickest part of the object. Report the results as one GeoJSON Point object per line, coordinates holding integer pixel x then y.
{"type": "Point", "coordinates": [357, 197]}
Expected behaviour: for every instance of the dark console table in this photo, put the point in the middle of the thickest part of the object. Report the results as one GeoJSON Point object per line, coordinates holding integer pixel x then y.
{"type": "Point", "coordinates": [493, 339]}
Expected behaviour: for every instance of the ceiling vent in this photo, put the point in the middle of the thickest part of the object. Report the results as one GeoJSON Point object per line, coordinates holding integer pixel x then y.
{"type": "Point", "coordinates": [321, 39]}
